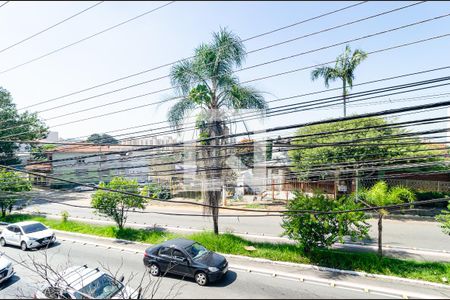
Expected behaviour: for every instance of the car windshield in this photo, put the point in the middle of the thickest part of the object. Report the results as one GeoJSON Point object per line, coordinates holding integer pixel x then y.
{"type": "Point", "coordinates": [33, 228]}
{"type": "Point", "coordinates": [104, 287]}
{"type": "Point", "coordinates": [196, 250]}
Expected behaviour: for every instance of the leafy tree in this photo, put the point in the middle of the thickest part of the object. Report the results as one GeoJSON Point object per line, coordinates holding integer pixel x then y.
{"type": "Point", "coordinates": [18, 127]}
{"type": "Point", "coordinates": [381, 195]}
{"type": "Point", "coordinates": [11, 184]}
{"type": "Point", "coordinates": [102, 139]}
{"type": "Point", "coordinates": [444, 218]}
{"type": "Point", "coordinates": [344, 69]}
{"type": "Point", "coordinates": [369, 139]}
{"type": "Point", "coordinates": [206, 84]}
{"type": "Point", "coordinates": [156, 191]}
{"type": "Point", "coordinates": [38, 152]}
{"type": "Point", "coordinates": [117, 205]}
{"type": "Point", "coordinates": [323, 230]}
{"type": "Point", "coordinates": [244, 151]}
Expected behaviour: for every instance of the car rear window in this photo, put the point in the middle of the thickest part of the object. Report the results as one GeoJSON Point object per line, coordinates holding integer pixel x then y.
{"type": "Point", "coordinates": [104, 287]}
{"type": "Point", "coordinates": [165, 251]}
{"type": "Point", "coordinates": [33, 228]}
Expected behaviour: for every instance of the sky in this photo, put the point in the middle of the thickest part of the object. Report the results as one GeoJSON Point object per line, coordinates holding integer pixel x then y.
{"type": "Point", "coordinates": [173, 32]}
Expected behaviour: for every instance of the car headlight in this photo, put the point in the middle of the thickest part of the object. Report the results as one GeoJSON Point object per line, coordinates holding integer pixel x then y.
{"type": "Point", "coordinates": [32, 239]}
{"type": "Point", "coordinates": [213, 269]}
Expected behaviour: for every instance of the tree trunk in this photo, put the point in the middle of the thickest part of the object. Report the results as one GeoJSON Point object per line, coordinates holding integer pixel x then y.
{"type": "Point", "coordinates": [380, 234]}
{"type": "Point", "coordinates": [344, 96]}
{"type": "Point", "coordinates": [213, 175]}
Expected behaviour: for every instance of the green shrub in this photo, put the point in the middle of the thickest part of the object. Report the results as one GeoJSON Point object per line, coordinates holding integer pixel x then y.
{"type": "Point", "coordinates": [65, 216]}
{"type": "Point", "coordinates": [323, 230]}
{"type": "Point", "coordinates": [157, 191]}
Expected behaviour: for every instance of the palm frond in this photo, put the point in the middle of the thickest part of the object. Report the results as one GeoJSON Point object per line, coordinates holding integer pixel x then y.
{"type": "Point", "coordinates": [179, 111]}
{"type": "Point", "coordinates": [245, 97]}
{"type": "Point", "coordinates": [328, 74]}
{"type": "Point", "coordinates": [182, 76]}
{"type": "Point", "coordinates": [229, 48]}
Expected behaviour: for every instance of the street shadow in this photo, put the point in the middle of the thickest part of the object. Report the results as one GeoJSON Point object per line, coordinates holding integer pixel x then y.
{"type": "Point", "coordinates": [226, 280]}
{"type": "Point", "coordinates": [12, 280]}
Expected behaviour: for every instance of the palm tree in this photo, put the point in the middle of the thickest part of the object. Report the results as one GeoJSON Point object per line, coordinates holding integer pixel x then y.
{"type": "Point", "coordinates": [344, 69]}
{"type": "Point", "coordinates": [381, 195]}
{"type": "Point", "coordinates": [206, 84]}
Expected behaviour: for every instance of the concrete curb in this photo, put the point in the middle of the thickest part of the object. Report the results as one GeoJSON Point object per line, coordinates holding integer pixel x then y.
{"type": "Point", "coordinates": [340, 284]}
{"type": "Point", "coordinates": [263, 260]}
{"type": "Point", "coordinates": [413, 250]}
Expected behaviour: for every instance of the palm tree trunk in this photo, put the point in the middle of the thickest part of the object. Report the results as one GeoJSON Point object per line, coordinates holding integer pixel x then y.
{"type": "Point", "coordinates": [380, 234]}
{"type": "Point", "coordinates": [213, 195]}
{"type": "Point", "coordinates": [344, 96]}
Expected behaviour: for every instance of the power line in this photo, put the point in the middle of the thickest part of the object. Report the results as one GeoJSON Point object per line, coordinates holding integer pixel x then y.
{"type": "Point", "coordinates": [231, 208]}
{"type": "Point", "coordinates": [284, 110]}
{"type": "Point", "coordinates": [85, 39]}
{"type": "Point", "coordinates": [288, 98]}
{"type": "Point", "coordinates": [281, 128]}
{"type": "Point", "coordinates": [257, 79]}
{"type": "Point", "coordinates": [48, 28]}
{"type": "Point", "coordinates": [242, 69]}
{"type": "Point", "coordinates": [187, 58]}
{"type": "Point", "coordinates": [4, 3]}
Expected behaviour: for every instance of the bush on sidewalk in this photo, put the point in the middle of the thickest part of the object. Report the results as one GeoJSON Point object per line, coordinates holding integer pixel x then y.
{"type": "Point", "coordinates": [323, 230]}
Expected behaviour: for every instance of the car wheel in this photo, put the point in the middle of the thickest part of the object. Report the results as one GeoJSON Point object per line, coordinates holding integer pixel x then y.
{"type": "Point", "coordinates": [201, 278]}
{"type": "Point", "coordinates": [154, 270]}
{"type": "Point", "coordinates": [23, 246]}
{"type": "Point", "coordinates": [2, 242]}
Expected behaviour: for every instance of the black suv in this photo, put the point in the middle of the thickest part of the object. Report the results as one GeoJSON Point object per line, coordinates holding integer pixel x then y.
{"type": "Point", "coordinates": [187, 258]}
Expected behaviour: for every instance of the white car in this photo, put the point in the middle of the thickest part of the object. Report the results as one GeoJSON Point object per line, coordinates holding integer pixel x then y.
{"type": "Point", "coordinates": [81, 282]}
{"type": "Point", "coordinates": [6, 269]}
{"type": "Point", "coordinates": [28, 234]}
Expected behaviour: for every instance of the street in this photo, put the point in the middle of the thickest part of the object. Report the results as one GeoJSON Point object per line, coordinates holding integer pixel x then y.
{"type": "Point", "coordinates": [405, 233]}
{"type": "Point", "coordinates": [236, 283]}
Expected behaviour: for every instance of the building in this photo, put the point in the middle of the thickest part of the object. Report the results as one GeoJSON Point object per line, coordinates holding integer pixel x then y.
{"type": "Point", "coordinates": [92, 164]}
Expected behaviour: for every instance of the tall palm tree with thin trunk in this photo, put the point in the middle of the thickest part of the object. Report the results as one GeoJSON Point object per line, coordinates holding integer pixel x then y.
{"type": "Point", "coordinates": [344, 69]}
{"type": "Point", "coordinates": [381, 195]}
{"type": "Point", "coordinates": [206, 85]}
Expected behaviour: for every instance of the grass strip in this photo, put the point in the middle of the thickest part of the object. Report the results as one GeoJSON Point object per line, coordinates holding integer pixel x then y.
{"type": "Point", "coordinates": [231, 244]}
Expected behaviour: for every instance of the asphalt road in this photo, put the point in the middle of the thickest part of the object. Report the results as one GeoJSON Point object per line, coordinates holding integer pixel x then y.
{"type": "Point", "coordinates": [412, 234]}
{"type": "Point", "coordinates": [235, 284]}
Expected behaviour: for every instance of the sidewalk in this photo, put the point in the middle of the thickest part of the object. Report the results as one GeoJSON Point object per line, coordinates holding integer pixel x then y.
{"type": "Point", "coordinates": [83, 198]}
{"type": "Point", "coordinates": [369, 283]}
{"type": "Point", "coordinates": [388, 250]}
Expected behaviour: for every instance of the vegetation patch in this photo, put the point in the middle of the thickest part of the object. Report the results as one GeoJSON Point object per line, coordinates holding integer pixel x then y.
{"type": "Point", "coordinates": [230, 244]}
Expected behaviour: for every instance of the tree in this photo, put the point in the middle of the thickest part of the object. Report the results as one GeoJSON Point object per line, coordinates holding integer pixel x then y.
{"type": "Point", "coordinates": [381, 195]}
{"type": "Point", "coordinates": [117, 205]}
{"type": "Point", "coordinates": [102, 139]}
{"type": "Point", "coordinates": [206, 84]}
{"type": "Point", "coordinates": [11, 184]}
{"type": "Point", "coordinates": [344, 69]}
{"type": "Point", "coordinates": [368, 139]}
{"type": "Point", "coordinates": [244, 151]}
{"type": "Point", "coordinates": [16, 126]}
{"type": "Point", "coordinates": [38, 152]}
{"type": "Point", "coordinates": [323, 230]}
{"type": "Point", "coordinates": [444, 218]}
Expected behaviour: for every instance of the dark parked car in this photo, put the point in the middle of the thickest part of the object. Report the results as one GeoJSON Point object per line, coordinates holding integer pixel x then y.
{"type": "Point", "coordinates": [187, 258]}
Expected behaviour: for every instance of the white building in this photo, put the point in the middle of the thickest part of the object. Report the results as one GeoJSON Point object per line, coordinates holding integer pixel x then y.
{"type": "Point", "coordinates": [93, 164]}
